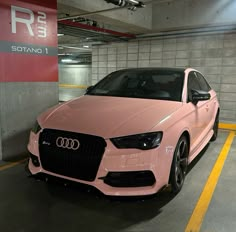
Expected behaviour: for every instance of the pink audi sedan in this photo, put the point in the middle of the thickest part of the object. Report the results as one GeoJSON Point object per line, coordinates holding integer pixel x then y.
{"type": "Point", "coordinates": [133, 133]}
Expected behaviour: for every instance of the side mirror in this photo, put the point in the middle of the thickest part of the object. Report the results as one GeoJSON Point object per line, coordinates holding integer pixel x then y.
{"type": "Point", "coordinates": [199, 95]}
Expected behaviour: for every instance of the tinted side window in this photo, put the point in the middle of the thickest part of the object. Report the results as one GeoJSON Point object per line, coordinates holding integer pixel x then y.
{"type": "Point", "coordinates": [203, 83]}
{"type": "Point", "coordinates": [193, 82]}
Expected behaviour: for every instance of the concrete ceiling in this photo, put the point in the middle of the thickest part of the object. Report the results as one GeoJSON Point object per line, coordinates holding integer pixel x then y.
{"type": "Point", "coordinates": [159, 16]}
{"type": "Point", "coordinates": [77, 40]}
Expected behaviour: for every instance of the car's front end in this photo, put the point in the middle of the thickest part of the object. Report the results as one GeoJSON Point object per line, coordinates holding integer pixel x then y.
{"type": "Point", "coordinates": [97, 162]}
{"type": "Point", "coordinates": [119, 154]}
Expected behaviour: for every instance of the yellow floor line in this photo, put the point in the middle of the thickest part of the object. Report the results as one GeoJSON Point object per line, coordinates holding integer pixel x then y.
{"type": "Point", "coordinates": [73, 86]}
{"type": "Point", "coordinates": [12, 164]}
{"type": "Point", "coordinates": [227, 126]}
{"type": "Point", "coordinates": [200, 210]}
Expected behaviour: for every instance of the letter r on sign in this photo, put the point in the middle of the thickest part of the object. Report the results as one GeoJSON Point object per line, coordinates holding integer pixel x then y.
{"type": "Point", "coordinates": [15, 19]}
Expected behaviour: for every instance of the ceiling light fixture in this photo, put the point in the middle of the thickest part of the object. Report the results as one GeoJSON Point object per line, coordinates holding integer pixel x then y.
{"type": "Point", "coordinates": [66, 60]}
{"type": "Point", "coordinates": [69, 61]}
{"type": "Point", "coordinates": [77, 48]}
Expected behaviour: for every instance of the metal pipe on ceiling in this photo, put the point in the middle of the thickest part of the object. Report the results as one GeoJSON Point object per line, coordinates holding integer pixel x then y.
{"type": "Point", "coordinates": [108, 10]}
{"type": "Point", "coordinates": [131, 4]}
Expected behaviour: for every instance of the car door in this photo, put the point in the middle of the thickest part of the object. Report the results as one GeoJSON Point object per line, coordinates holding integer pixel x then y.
{"type": "Point", "coordinates": [199, 118]}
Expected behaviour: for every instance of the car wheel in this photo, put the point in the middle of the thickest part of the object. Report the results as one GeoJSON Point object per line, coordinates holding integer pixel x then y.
{"type": "Point", "coordinates": [215, 128]}
{"type": "Point", "coordinates": [179, 165]}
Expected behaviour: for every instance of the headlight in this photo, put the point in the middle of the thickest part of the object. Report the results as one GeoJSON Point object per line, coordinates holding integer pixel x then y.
{"type": "Point", "coordinates": [141, 141]}
{"type": "Point", "coordinates": [36, 128]}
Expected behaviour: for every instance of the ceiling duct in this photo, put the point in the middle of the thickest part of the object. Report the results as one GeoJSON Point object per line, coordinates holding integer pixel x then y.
{"type": "Point", "coordinates": [79, 29]}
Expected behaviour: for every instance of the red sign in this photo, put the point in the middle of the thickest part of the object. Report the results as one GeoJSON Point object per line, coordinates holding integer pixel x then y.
{"type": "Point", "coordinates": [28, 41]}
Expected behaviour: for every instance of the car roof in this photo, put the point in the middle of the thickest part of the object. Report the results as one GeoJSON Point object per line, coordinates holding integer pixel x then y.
{"type": "Point", "coordinates": [152, 69]}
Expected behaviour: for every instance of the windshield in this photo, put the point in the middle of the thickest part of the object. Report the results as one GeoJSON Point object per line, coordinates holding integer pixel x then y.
{"type": "Point", "coordinates": [149, 84]}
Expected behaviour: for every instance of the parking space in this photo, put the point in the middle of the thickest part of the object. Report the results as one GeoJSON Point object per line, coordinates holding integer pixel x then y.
{"type": "Point", "coordinates": [32, 205]}
{"type": "Point", "coordinates": [222, 209]}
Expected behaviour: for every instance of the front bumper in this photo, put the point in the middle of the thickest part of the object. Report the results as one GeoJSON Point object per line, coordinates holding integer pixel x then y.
{"type": "Point", "coordinates": [122, 172]}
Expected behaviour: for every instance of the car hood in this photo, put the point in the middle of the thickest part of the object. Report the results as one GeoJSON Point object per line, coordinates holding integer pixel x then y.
{"type": "Point", "coordinates": [108, 116]}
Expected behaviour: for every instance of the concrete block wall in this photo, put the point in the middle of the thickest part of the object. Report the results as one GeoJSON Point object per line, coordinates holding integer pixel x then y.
{"type": "Point", "coordinates": [213, 55]}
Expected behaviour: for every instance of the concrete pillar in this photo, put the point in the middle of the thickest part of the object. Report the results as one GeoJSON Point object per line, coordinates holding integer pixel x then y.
{"type": "Point", "coordinates": [28, 69]}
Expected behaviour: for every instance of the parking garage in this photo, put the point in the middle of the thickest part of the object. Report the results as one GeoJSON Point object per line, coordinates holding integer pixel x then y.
{"type": "Point", "coordinates": [52, 52]}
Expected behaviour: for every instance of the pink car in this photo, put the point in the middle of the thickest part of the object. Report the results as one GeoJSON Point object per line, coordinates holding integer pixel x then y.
{"type": "Point", "coordinates": [132, 133]}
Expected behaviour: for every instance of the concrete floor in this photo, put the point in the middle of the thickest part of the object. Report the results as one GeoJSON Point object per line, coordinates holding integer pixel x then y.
{"type": "Point", "coordinates": [28, 205]}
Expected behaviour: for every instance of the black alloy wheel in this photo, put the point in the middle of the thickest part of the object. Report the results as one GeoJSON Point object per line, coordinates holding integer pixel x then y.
{"type": "Point", "coordinates": [179, 165]}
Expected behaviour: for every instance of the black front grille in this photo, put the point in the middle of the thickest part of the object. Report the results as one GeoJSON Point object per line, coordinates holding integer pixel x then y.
{"type": "Point", "coordinates": [81, 163]}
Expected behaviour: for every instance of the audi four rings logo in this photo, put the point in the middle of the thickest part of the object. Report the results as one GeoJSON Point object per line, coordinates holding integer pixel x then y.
{"type": "Point", "coordinates": [68, 143]}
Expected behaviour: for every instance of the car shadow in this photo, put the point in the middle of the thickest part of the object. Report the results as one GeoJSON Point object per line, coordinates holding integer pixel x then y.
{"type": "Point", "coordinates": [104, 213]}
{"type": "Point", "coordinates": [97, 212]}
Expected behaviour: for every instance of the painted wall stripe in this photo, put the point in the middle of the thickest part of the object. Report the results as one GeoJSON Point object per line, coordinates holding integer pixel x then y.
{"type": "Point", "coordinates": [12, 164]}
{"type": "Point", "coordinates": [200, 210]}
{"type": "Point", "coordinates": [73, 86]}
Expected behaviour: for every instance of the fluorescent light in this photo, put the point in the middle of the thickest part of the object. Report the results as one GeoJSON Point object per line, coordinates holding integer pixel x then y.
{"type": "Point", "coordinates": [133, 2]}
{"type": "Point", "coordinates": [76, 48]}
{"type": "Point", "coordinates": [66, 60]}
{"type": "Point", "coordinates": [69, 61]}
{"type": "Point", "coordinates": [86, 46]}
{"type": "Point", "coordinates": [60, 34]}
{"type": "Point", "coordinates": [65, 54]}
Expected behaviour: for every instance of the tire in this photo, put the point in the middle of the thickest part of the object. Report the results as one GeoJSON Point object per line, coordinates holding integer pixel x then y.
{"type": "Point", "coordinates": [215, 128]}
{"type": "Point", "coordinates": [179, 165]}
